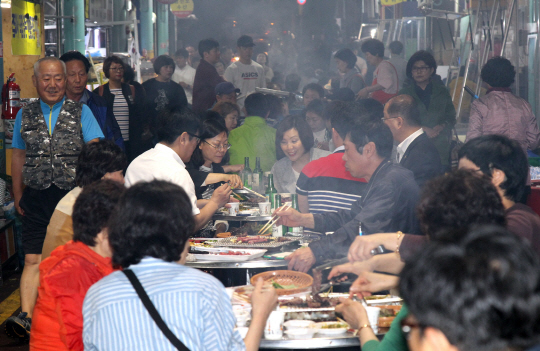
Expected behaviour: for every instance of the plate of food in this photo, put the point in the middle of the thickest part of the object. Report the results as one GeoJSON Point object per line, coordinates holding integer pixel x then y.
{"type": "Point", "coordinates": [375, 300]}
{"type": "Point", "coordinates": [255, 242]}
{"type": "Point", "coordinates": [203, 242]}
{"type": "Point", "coordinates": [225, 255]}
{"type": "Point", "coordinates": [331, 328]}
{"type": "Point", "coordinates": [285, 282]}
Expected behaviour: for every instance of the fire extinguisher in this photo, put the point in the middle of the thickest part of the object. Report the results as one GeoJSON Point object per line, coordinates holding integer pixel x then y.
{"type": "Point", "coordinates": [11, 102]}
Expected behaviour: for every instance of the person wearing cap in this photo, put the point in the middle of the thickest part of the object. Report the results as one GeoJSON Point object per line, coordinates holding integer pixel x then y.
{"type": "Point", "coordinates": [245, 74]}
{"type": "Point", "coordinates": [350, 77]}
{"type": "Point", "coordinates": [226, 92]}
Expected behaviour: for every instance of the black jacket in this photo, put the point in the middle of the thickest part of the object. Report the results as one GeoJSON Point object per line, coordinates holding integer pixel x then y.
{"type": "Point", "coordinates": [138, 123]}
{"type": "Point", "coordinates": [422, 158]}
{"type": "Point", "coordinates": [388, 206]}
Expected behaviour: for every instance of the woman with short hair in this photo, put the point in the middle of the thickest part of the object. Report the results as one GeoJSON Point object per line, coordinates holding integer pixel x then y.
{"type": "Point", "coordinates": [500, 111]}
{"type": "Point", "coordinates": [437, 112]}
{"type": "Point", "coordinates": [350, 77]}
{"type": "Point", "coordinates": [229, 111]}
{"type": "Point", "coordinates": [294, 149]}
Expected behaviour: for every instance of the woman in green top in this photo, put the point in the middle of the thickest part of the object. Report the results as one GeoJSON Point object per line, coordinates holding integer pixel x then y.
{"type": "Point", "coordinates": [437, 111]}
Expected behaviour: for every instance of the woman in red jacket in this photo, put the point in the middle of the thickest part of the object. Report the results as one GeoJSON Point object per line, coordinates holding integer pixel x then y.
{"type": "Point", "coordinates": [72, 269]}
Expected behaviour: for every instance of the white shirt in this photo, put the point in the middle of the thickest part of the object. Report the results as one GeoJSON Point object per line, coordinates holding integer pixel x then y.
{"type": "Point", "coordinates": [402, 147]}
{"type": "Point", "coordinates": [186, 75]}
{"type": "Point", "coordinates": [246, 78]}
{"type": "Point", "coordinates": [162, 163]}
{"type": "Point", "coordinates": [361, 65]}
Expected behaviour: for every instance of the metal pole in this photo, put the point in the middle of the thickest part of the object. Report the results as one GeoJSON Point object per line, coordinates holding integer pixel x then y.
{"type": "Point", "coordinates": [507, 29]}
{"type": "Point", "coordinates": [59, 49]}
{"type": "Point", "coordinates": [494, 11]}
{"type": "Point", "coordinates": [468, 59]}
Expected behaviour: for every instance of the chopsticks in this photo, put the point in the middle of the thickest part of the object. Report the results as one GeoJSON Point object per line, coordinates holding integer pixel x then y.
{"type": "Point", "coordinates": [274, 219]}
{"type": "Point", "coordinates": [254, 192]}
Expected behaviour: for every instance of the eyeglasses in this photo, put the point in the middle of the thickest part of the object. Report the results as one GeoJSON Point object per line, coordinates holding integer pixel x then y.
{"type": "Point", "coordinates": [407, 325]}
{"type": "Point", "coordinates": [418, 69]}
{"type": "Point", "coordinates": [220, 146]}
{"type": "Point", "coordinates": [384, 119]}
{"type": "Point", "coordinates": [195, 136]}
{"type": "Point", "coordinates": [117, 69]}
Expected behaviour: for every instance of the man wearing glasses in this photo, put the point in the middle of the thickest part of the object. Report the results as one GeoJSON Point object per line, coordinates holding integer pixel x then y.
{"type": "Point", "coordinates": [415, 150]}
{"type": "Point", "coordinates": [177, 132]}
{"type": "Point", "coordinates": [122, 101]}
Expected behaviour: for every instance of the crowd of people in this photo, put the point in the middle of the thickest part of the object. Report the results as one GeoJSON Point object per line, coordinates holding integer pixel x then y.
{"type": "Point", "coordinates": [113, 182]}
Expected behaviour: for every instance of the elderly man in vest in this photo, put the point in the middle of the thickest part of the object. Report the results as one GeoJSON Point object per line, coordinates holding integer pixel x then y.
{"type": "Point", "coordinates": [47, 139]}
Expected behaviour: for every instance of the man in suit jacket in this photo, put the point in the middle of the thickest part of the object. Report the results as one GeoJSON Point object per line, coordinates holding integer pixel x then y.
{"type": "Point", "coordinates": [415, 150]}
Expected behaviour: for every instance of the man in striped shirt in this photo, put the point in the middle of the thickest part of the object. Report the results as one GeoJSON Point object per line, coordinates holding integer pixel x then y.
{"type": "Point", "coordinates": [324, 184]}
{"type": "Point", "coordinates": [149, 235]}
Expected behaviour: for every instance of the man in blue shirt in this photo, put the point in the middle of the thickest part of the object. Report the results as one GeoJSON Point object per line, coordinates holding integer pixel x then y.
{"type": "Point", "coordinates": [47, 139]}
{"type": "Point", "coordinates": [77, 76]}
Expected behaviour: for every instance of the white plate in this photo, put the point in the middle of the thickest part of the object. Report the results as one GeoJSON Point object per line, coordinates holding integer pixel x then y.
{"type": "Point", "coordinates": [226, 258]}
{"type": "Point", "coordinates": [300, 334]}
{"type": "Point", "coordinates": [331, 331]}
{"type": "Point", "coordinates": [248, 212]}
{"type": "Point", "coordinates": [298, 324]}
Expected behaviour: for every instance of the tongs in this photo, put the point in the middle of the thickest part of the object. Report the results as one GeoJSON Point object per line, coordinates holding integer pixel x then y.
{"type": "Point", "coordinates": [331, 264]}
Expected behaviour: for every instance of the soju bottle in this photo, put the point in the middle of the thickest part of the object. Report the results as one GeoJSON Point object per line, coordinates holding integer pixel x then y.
{"type": "Point", "coordinates": [278, 230]}
{"type": "Point", "coordinates": [257, 176]}
{"type": "Point", "coordinates": [246, 174]}
{"type": "Point", "coordinates": [271, 191]}
{"type": "Point", "coordinates": [295, 231]}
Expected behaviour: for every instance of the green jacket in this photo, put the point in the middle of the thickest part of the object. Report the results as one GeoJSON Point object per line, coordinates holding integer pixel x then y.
{"type": "Point", "coordinates": [441, 111]}
{"type": "Point", "coordinates": [394, 340]}
{"type": "Point", "coordinates": [253, 139]}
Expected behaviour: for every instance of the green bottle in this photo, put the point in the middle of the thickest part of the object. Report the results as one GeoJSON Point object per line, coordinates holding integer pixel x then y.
{"type": "Point", "coordinates": [278, 230]}
{"type": "Point", "coordinates": [246, 174]}
{"type": "Point", "coordinates": [295, 231]}
{"type": "Point", "coordinates": [271, 191]}
{"type": "Point", "coordinates": [257, 183]}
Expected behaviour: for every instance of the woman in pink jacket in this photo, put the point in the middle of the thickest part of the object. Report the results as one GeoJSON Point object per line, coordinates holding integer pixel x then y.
{"type": "Point", "coordinates": [501, 112]}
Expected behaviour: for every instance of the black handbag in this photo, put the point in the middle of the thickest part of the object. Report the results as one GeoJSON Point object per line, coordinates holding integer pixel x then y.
{"type": "Point", "coordinates": [455, 145]}
{"type": "Point", "coordinates": [152, 310]}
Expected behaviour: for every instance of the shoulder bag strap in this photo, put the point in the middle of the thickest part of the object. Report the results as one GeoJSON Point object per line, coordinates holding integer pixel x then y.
{"type": "Point", "coordinates": [152, 310]}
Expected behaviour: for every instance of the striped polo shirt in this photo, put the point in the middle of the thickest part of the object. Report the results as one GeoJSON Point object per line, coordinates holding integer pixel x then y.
{"type": "Point", "coordinates": [193, 304]}
{"type": "Point", "coordinates": [328, 186]}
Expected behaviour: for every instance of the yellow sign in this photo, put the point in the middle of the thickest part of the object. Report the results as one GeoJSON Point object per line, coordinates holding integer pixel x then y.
{"type": "Point", "coordinates": [391, 2]}
{"type": "Point", "coordinates": [182, 8]}
{"type": "Point", "coordinates": [25, 28]}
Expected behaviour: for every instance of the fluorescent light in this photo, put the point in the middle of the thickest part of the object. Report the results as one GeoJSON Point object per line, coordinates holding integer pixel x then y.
{"type": "Point", "coordinates": [6, 5]}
